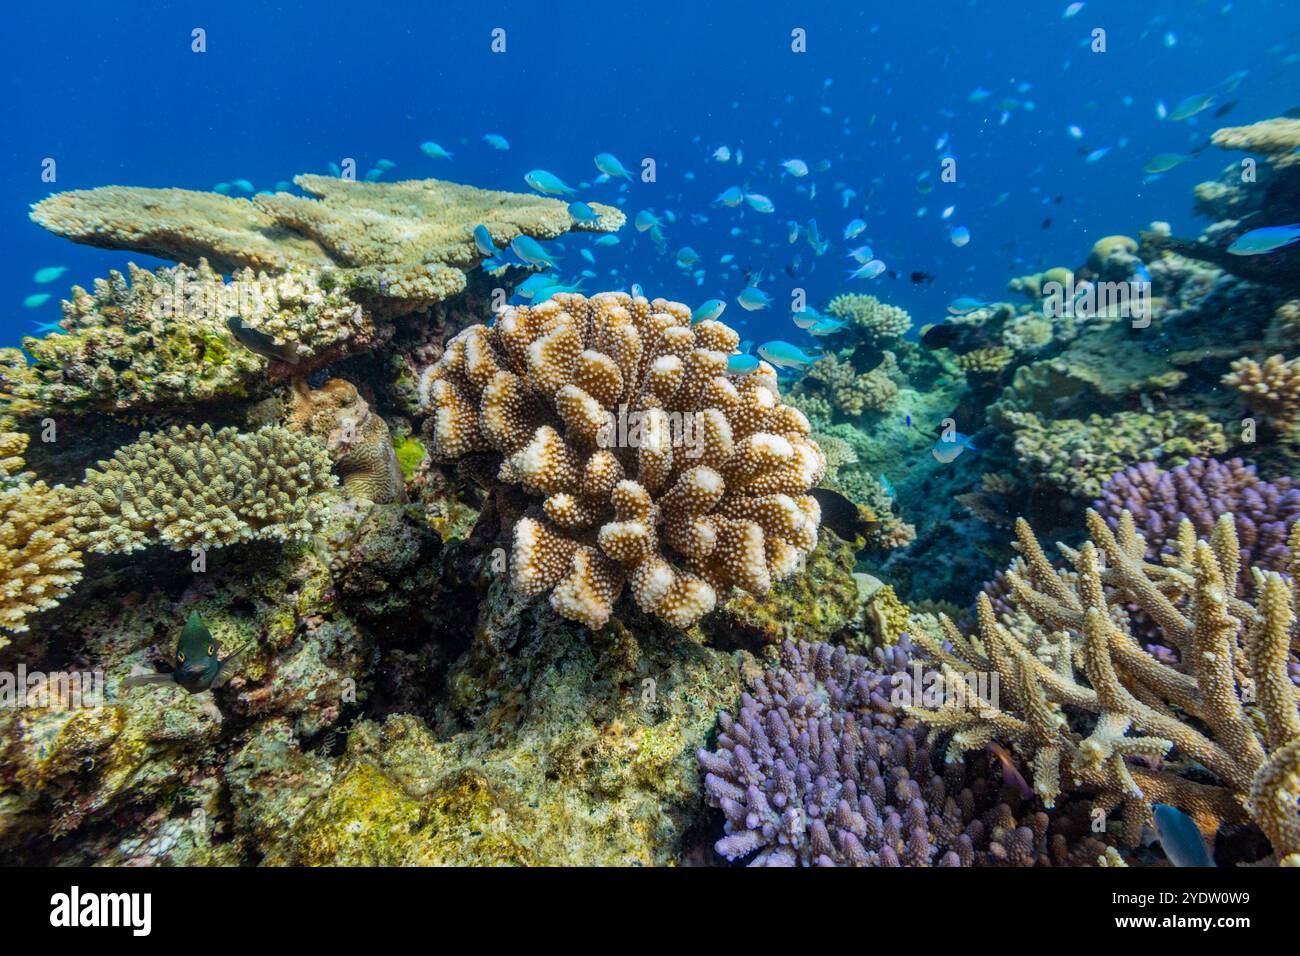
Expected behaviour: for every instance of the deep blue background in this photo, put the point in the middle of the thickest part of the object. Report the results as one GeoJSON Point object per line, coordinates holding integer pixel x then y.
{"type": "Point", "coordinates": [114, 94]}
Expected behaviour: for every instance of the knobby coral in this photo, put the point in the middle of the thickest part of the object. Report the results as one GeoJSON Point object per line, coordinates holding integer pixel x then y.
{"type": "Point", "coordinates": [1272, 389]}
{"type": "Point", "coordinates": [192, 487]}
{"type": "Point", "coordinates": [1231, 709]}
{"type": "Point", "coordinates": [822, 767]}
{"type": "Point", "coordinates": [39, 564]}
{"type": "Point", "coordinates": [656, 467]}
{"type": "Point", "coordinates": [872, 319]}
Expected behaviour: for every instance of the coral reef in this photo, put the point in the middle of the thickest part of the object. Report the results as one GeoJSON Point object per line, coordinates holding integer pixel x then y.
{"type": "Point", "coordinates": [1272, 389]}
{"type": "Point", "coordinates": [39, 565]}
{"type": "Point", "coordinates": [192, 487]}
{"type": "Point", "coordinates": [408, 244]}
{"type": "Point", "coordinates": [870, 319]}
{"type": "Point", "coordinates": [821, 767]}
{"type": "Point", "coordinates": [729, 498]}
{"type": "Point", "coordinates": [358, 440]}
{"type": "Point", "coordinates": [1276, 139]}
{"type": "Point", "coordinates": [1232, 710]}
{"type": "Point", "coordinates": [845, 389]}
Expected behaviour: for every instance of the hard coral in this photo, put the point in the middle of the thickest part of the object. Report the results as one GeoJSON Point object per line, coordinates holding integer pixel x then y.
{"type": "Point", "coordinates": [357, 439]}
{"type": "Point", "coordinates": [193, 487]}
{"type": "Point", "coordinates": [1272, 389]}
{"type": "Point", "coordinates": [655, 467]}
{"type": "Point", "coordinates": [38, 563]}
{"type": "Point", "coordinates": [871, 319]}
{"type": "Point", "coordinates": [1231, 709]}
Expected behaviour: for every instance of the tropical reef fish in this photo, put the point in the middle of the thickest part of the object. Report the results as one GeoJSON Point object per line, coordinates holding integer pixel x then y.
{"type": "Point", "coordinates": [535, 284]}
{"type": "Point", "coordinates": [795, 167]}
{"type": "Point", "coordinates": [753, 298]}
{"type": "Point", "coordinates": [785, 355]}
{"type": "Point", "coordinates": [845, 517]}
{"type": "Point", "coordinates": [1011, 775]}
{"type": "Point", "coordinates": [197, 667]}
{"type": "Point", "coordinates": [947, 450]}
{"type": "Point", "coordinates": [581, 212]}
{"type": "Point", "coordinates": [49, 274]}
{"type": "Point", "coordinates": [1258, 241]}
{"type": "Point", "coordinates": [434, 151]}
{"type": "Point", "coordinates": [608, 164]}
{"type": "Point", "coordinates": [687, 257]}
{"type": "Point", "coordinates": [555, 289]}
{"type": "Point", "coordinates": [496, 141]}
{"type": "Point", "coordinates": [1191, 106]}
{"type": "Point", "coordinates": [1180, 837]}
{"type": "Point", "coordinates": [868, 270]}
{"type": "Point", "coordinates": [741, 364]}
{"type": "Point", "coordinates": [531, 251]}
{"type": "Point", "coordinates": [646, 220]}
{"type": "Point", "coordinates": [854, 229]}
{"type": "Point", "coordinates": [1164, 162]}
{"type": "Point", "coordinates": [708, 310]}
{"type": "Point", "coordinates": [607, 241]}
{"type": "Point", "coordinates": [827, 326]}
{"type": "Point", "coordinates": [759, 203]}
{"type": "Point", "coordinates": [965, 304]}
{"type": "Point", "coordinates": [548, 183]}
{"type": "Point", "coordinates": [722, 154]}
{"type": "Point", "coordinates": [959, 236]}
{"type": "Point", "coordinates": [36, 300]}
{"type": "Point", "coordinates": [257, 341]}
{"type": "Point", "coordinates": [483, 241]}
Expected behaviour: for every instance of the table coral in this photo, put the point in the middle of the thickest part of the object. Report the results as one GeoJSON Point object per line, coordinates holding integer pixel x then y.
{"type": "Point", "coordinates": [190, 486]}
{"type": "Point", "coordinates": [1231, 709]}
{"type": "Point", "coordinates": [704, 489]}
{"type": "Point", "coordinates": [409, 243]}
{"type": "Point", "coordinates": [821, 767]}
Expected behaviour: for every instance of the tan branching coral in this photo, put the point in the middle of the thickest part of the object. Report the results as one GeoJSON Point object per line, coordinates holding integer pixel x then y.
{"type": "Point", "coordinates": [848, 390]}
{"type": "Point", "coordinates": [986, 361]}
{"type": "Point", "coordinates": [410, 242]}
{"type": "Point", "coordinates": [1230, 708]}
{"type": "Point", "coordinates": [39, 564]}
{"type": "Point", "coordinates": [13, 444]}
{"type": "Point", "coordinates": [193, 487]}
{"type": "Point", "coordinates": [151, 340]}
{"type": "Point", "coordinates": [872, 319]}
{"type": "Point", "coordinates": [1278, 139]}
{"type": "Point", "coordinates": [357, 439]}
{"type": "Point", "coordinates": [1272, 389]}
{"type": "Point", "coordinates": [656, 468]}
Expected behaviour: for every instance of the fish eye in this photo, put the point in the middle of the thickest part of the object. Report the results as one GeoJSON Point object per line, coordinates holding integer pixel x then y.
{"type": "Point", "coordinates": [180, 656]}
{"type": "Point", "coordinates": [212, 649]}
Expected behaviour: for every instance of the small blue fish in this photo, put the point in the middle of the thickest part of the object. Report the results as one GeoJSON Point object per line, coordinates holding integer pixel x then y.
{"type": "Point", "coordinates": [947, 451]}
{"type": "Point", "coordinates": [868, 270]}
{"type": "Point", "coordinates": [741, 364]}
{"type": "Point", "coordinates": [48, 274]}
{"type": "Point", "coordinates": [862, 254]}
{"type": "Point", "coordinates": [610, 166]}
{"type": "Point", "coordinates": [531, 251]}
{"type": "Point", "coordinates": [753, 298]}
{"type": "Point", "coordinates": [785, 355]}
{"type": "Point", "coordinates": [827, 327]}
{"type": "Point", "coordinates": [854, 229]}
{"type": "Point", "coordinates": [708, 311]}
{"type": "Point", "coordinates": [687, 257]}
{"type": "Point", "coordinates": [885, 483]}
{"type": "Point", "coordinates": [1097, 154]}
{"type": "Point", "coordinates": [243, 185]}
{"type": "Point", "coordinates": [548, 183]}
{"type": "Point", "coordinates": [807, 318]}
{"type": "Point", "coordinates": [909, 421]}
{"type": "Point", "coordinates": [483, 241]}
{"type": "Point", "coordinates": [1259, 241]}
{"type": "Point", "coordinates": [795, 167]}
{"type": "Point", "coordinates": [759, 203]}
{"type": "Point", "coordinates": [959, 236]}
{"type": "Point", "coordinates": [607, 241]}
{"type": "Point", "coordinates": [36, 300]}
{"type": "Point", "coordinates": [1180, 837]}
{"type": "Point", "coordinates": [581, 212]}
{"type": "Point", "coordinates": [495, 141]}
{"type": "Point", "coordinates": [733, 196]}
{"type": "Point", "coordinates": [586, 254]}
{"type": "Point", "coordinates": [534, 284]}
{"type": "Point", "coordinates": [1191, 106]}
{"type": "Point", "coordinates": [965, 304]}
{"type": "Point", "coordinates": [385, 164]}
{"type": "Point", "coordinates": [552, 290]}
{"type": "Point", "coordinates": [434, 151]}
{"type": "Point", "coordinates": [646, 220]}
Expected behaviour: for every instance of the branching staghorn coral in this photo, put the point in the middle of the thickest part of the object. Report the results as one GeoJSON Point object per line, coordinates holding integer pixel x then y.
{"type": "Point", "coordinates": [407, 242]}
{"type": "Point", "coordinates": [1232, 709]}
{"type": "Point", "coordinates": [985, 361]}
{"type": "Point", "coordinates": [871, 319]}
{"type": "Point", "coordinates": [193, 487]}
{"type": "Point", "coordinates": [682, 514]}
{"type": "Point", "coordinates": [39, 564]}
{"type": "Point", "coordinates": [1271, 389]}
{"type": "Point", "coordinates": [357, 439]}
{"type": "Point", "coordinates": [821, 767]}
{"type": "Point", "coordinates": [151, 340]}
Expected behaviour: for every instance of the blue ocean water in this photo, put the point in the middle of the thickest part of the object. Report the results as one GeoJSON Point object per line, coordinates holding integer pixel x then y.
{"type": "Point", "coordinates": [883, 92]}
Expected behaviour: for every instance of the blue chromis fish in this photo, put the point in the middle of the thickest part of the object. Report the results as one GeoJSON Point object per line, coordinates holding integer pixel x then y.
{"type": "Point", "coordinates": [483, 241]}
{"type": "Point", "coordinates": [687, 257]}
{"type": "Point", "coordinates": [496, 141]}
{"type": "Point", "coordinates": [1180, 837]}
{"type": "Point", "coordinates": [548, 183]}
{"type": "Point", "coordinates": [608, 164]}
{"type": "Point", "coordinates": [795, 167]}
{"type": "Point", "coordinates": [531, 251]}
{"type": "Point", "coordinates": [759, 203]}
{"type": "Point", "coordinates": [581, 212]}
{"type": "Point", "coordinates": [607, 241]}
{"type": "Point", "coordinates": [785, 355]}
{"type": "Point", "coordinates": [753, 298]}
{"type": "Point", "coordinates": [196, 666]}
{"type": "Point", "coordinates": [535, 284]}
{"type": "Point", "coordinates": [551, 290]}
{"type": "Point", "coordinates": [959, 236]}
{"type": "Point", "coordinates": [1191, 106]}
{"type": "Point", "coordinates": [48, 274]}
{"type": "Point", "coordinates": [708, 311]}
{"type": "Point", "coordinates": [886, 484]}
{"type": "Point", "coordinates": [587, 256]}
{"type": "Point", "coordinates": [965, 304]}
{"type": "Point", "coordinates": [807, 318]}
{"type": "Point", "coordinates": [1164, 162]}
{"type": "Point", "coordinates": [732, 196]}
{"type": "Point", "coordinates": [36, 300]}
{"type": "Point", "coordinates": [854, 229]}
{"type": "Point", "coordinates": [1258, 241]}
{"type": "Point", "coordinates": [434, 151]}
{"type": "Point", "coordinates": [741, 364]}
{"type": "Point", "coordinates": [646, 220]}
{"type": "Point", "coordinates": [827, 326]}
{"type": "Point", "coordinates": [948, 449]}
{"type": "Point", "coordinates": [257, 341]}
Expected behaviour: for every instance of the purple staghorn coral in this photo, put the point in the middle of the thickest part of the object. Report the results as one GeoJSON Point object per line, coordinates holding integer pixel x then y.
{"type": "Point", "coordinates": [820, 768]}
{"type": "Point", "coordinates": [1200, 491]}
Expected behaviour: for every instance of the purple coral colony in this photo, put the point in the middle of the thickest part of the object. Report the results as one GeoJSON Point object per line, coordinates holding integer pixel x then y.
{"type": "Point", "coordinates": [378, 530]}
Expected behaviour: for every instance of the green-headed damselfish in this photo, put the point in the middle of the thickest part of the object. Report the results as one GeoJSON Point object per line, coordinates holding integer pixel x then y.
{"type": "Point", "coordinates": [196, 666]}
